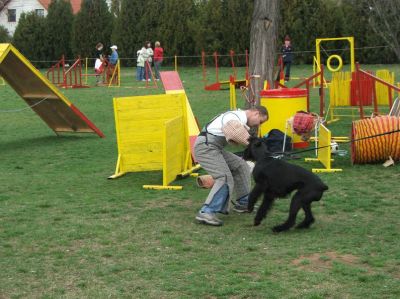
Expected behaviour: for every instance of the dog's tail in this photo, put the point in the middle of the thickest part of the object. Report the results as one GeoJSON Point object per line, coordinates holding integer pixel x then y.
{"type": "Point", "coordinates": [324, 187]}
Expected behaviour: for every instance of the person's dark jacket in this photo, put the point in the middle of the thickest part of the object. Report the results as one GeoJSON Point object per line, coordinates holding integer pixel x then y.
{"type": "Point", "coordinates": [287, 54]}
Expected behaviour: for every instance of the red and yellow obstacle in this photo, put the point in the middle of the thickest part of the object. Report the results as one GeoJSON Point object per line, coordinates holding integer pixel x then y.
{"type": "Point", "coordinates": [375, 140]}
{"type": "Point", "coordinates": [41, 95]}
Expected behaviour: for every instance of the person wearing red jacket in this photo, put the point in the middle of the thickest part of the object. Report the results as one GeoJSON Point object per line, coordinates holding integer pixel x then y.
{"type": "Point", "coordinates": [158, 58]}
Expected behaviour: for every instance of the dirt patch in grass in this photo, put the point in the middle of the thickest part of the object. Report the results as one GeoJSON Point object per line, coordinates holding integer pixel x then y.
{"type": "Point", "coordinates": [318, 262]}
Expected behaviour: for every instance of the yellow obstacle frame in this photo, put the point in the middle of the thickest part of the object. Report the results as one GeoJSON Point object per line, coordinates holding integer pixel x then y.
{"type": "Point", "coordinates": [324, 151]}
{"type": "Point", "coordinates": [116, 74]}
{"type": "Point", "coordinates": [318, 42]}
{"type": "Point", "coordinates": [152, 134]}
{"type": "Point", "coordinates": [350, 39]}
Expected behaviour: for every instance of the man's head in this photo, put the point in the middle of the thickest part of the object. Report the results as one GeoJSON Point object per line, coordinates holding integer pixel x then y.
{"type": "Point", "coordinates": [114, 47]}
{"type": "Point", "coordinates": [256, 116]}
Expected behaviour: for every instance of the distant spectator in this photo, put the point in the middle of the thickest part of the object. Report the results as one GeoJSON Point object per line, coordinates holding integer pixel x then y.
{"type": "Point", "coordinates": [140, 64]}
{"type": "Point", "coordinates": [114, 55]}
{"type": "Point", "coordinates": [99, 63]}
{"type": "Point", "coordinates": [158, 58]}
{"type": "Point", "coordinates": [287, 56]}
{"type": "Point", "coordinates": [113, 63]}
{"type": "Point", "coordinates": [142, 56]}
{"type": "Point", "coordinates": [148, 61]}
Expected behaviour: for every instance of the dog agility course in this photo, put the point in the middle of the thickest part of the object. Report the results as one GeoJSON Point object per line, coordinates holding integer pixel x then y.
{"type": "Point", "coordinates": [67, 231]}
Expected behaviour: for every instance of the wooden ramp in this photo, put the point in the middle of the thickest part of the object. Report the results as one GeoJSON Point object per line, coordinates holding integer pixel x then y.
{"type": "Point", "coordinates": [41, 95]}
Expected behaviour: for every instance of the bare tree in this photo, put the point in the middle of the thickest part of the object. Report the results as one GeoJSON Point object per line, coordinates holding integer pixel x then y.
{"type": "Point", "coordinates": [3, 3]}
{"type": "Point", "coordinates": [384, 18]}
{"type": "Point", "coordinates": [263, 39]}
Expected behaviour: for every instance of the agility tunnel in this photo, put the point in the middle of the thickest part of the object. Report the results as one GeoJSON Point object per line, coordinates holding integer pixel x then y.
{"type": "Point", "coordinates": [375, 139]}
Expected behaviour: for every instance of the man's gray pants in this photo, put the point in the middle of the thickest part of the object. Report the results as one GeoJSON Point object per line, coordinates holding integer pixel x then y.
{"type": "Point", "coordinates": [225, 167]}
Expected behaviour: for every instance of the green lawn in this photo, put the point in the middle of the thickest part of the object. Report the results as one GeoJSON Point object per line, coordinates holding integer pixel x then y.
{"type": "Point", "coordinates": [68, 232]}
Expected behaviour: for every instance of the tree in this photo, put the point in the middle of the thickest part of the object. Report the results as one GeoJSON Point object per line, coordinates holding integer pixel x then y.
{"type": "Point", "coordinates": [116, 8]}
{"type": "Point", "coordinates": [209, 33]}
{"type": "Point", "coordinates": [384, 18]}
{"type": "Point", "coordinates": [236, 15]}
{"type": "Point", "coordinates": [126, 32]}
{"type": "Point", "coordinates": [28, 36]}
{"type": "Point", "coordinates": [92, 24]}
{"type": "Point", "coordinates": [59, 22]}
{"type": "Point", "coordinates": [4, 35]}
{"type": "Point", "coordinates": [263, 35]}
{"type": "Point", "coordinates": [176, 30]}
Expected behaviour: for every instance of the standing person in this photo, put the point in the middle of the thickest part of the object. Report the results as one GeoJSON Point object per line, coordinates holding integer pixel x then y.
{"type": "Point", "coordinates": [99, 63]}
{"type": "Point", "coordinates": [114, 55]}
{"type": "Point", "coordinates": [149, 59]}
{"type": "Point", "coordinates": [113, 60]}
{"type": "Point", "coordinates": [142, 57]}
{"type": "Point", "coordinates": [287, 56]}
{"type": "Point", "coordinates": [158, 58]}
{"type": "Point", "coordinates": [231, 173]}
{"type": "Point", "coordinates": [140, 64]}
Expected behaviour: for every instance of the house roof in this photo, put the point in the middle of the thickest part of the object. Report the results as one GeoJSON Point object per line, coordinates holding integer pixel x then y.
{"type": "Point", "coordinates": [76, 5]}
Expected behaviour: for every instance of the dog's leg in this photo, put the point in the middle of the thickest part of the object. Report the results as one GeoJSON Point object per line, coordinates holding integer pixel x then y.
{"type": "Point", "coordinates": [307, 200]}
{"type": "Point", "coordinates": [309, 219]}
{"type": "Point", "coordinates": [264, 208]}
{"type": "Point", "coordinates": [254, 195]}
{"type": "Point", "coordinates": [295, 206]}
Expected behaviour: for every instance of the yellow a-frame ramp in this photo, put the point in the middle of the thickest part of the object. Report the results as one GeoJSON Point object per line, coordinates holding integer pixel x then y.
{"type": "Point", "coordinates": [41, 95]}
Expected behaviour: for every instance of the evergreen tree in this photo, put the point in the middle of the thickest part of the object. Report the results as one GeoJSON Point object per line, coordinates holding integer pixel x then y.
{"type": "Point", "coordinates": [236, 17]}
{"type": "Point", "coordinates": [59, 22]}
{"type": "Point", "coordinates": [92, 24]}
{"type": "Point", "coordinates": [28, 37]}
{"type": "Point", "coordinates": [175, 27]}
{"type": "Point", "coordinates": [210, 35]}
{"type": "Point", "coordinates": [115, 8]}
{"type": "Point", "coordinates": [301, 20]}
{"type": "Point", "coordinates": [126, 31]}
{"type": "Point", "coordinates": [4, 35]}
{"type": "Point", "coordinates": [137, 23]}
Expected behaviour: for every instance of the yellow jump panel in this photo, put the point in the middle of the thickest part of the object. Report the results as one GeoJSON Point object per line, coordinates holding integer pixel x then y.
{"type": "Point", "coordinates": [382, 93]}
{"type": "Point", "coordinates": [324, 150]}
{"type": "Point", "coordinates": [152, 134]}
{"type": "Point", "coordinates": [174, 149]}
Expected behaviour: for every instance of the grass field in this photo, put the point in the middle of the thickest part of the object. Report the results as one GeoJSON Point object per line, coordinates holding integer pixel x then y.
{"type": "Point", "coordinates": [68, 232]}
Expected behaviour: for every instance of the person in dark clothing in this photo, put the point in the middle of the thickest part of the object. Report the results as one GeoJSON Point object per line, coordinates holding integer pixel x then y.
{"type": "Point", "coordinates": [287, 57]}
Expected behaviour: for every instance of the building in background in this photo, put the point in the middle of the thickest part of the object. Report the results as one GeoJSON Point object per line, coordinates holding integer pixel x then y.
{"type": "Point", "coordinates": [11, 10]}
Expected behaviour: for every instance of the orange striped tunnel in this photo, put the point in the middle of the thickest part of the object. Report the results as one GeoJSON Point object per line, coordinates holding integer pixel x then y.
{"type": "Point", "coordinates": [377, 149]}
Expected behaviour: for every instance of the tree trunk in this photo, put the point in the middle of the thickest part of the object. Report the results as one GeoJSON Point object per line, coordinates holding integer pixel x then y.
{"type": "Point", "coordinates": [263, 38]}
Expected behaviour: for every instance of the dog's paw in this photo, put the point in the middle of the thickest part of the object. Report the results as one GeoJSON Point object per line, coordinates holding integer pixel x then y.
{"type": "Point", "coordinates": [257, 222]}
{"type": "Point", "coordinates": [304, 225]}
{"type": "Point", "coordinates": [279, 228]}
{"type": "Point", "coordinates": [250, 209]}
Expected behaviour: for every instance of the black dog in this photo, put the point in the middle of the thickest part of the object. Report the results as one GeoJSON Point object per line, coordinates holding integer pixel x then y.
{"type": "Point", "coordinates": [277, 178]}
